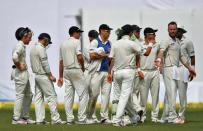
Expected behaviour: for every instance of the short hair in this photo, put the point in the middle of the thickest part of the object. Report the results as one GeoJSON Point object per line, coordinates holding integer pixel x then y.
{"type": "Point", "coordinates": [172, 23]}
{"type": "Point", "coordinates": [93, 33]}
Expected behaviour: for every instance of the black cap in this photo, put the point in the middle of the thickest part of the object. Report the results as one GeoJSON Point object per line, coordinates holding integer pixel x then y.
{"type": "Point", "coordinates": [136, 28]}
{"type": "Point", "coordinates": [93, 34]}
{"type": "Point", "coordinates": [182, 30]}
{"type": "Point", "coordinates": [149, 30]}
{"type": "Point", "coordinates": [127, 29]}
{"type": "Point", "coordinates": [20, 32]}
{"type": "Point", "coordinates": [45, 36]}
{"type": "Point", "coordinates": [73, 29]}
{"type": "Point", "coordinates": [104, 27]}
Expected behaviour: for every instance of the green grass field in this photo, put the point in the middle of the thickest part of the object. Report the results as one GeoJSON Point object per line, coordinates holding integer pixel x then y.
{"type": "Point", "coordinates": [194, 123]}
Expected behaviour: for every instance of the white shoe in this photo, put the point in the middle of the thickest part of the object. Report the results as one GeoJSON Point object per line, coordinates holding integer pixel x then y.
{"type": "Point", "coordinates": [90, 121]}
{"type": "Point", "coordinates": [135, 119]}
{"type": "Point", "coordinates": [29, 121]}
{"type": "Point", "coordinates": [118, 124]}
{"type": "Point", "coordinates": [163, 121]}
{"type": "Point", "coordinates": [60, 122]}
{"type": "Point", "coordinates": [126, 121]}
{"type": "Point", "coordinates": [84, 122]}
{"type": "Point", "coordinates": [20, 122]}
{"type": "Point", "coordinates": [96, 120]}
{"type": "Point", "coordinates": [177, 121]}
{"type": "Point", "coordinates": [70, 122]}
{"type": "Point", "coordinates": [155, 120]}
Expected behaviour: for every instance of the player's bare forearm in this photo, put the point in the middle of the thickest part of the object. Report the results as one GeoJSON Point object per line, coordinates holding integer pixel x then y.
{"type": "Point", "coordinates": [111, 65]}
{"type": "Point", "coordinates": [61, 69]}
{"type": "Point", "coordinates": [137, 61]}
{"type": "Point", "coordinates": [95, 56]}
{"type": "Point", "coordinates": [192, 60]}
{"type": "Point", "coordinates": [81, 61]}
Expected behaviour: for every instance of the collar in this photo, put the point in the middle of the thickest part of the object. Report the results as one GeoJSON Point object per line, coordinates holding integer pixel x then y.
{"type": "Point", "coordinates": [72, 38]}
{"type": "Point", "coordinates": [41, 44]}
{"type": "Point", "coordinates": [173, 40]}
{"type": "Point", "coordinates": [101, 40]}
{"type": "Point", "coordinates": [21, 42]}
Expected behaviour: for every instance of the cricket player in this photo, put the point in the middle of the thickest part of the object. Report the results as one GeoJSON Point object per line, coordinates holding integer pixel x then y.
{"type": "Point", "coordinates": [21, 78]}
{"type": "Point", "coordinates": [187, 49]}
{"type": "Point", "coordinates": [99, 78]}
{"type": "Point", "coordinates": [44, 87]}
{"type": "Point", "coordinates": [122, 69]}
{"type": "Point", "coordinates": [93, 35]}
{"type": "Point", "coordinates": [136, 91]}
{"type": "Point", "coordinates": [170, 54]}
{"type": "Point", "coordinates": [151, 75]}
{"type": "Point", "coordinates": [71, 67]}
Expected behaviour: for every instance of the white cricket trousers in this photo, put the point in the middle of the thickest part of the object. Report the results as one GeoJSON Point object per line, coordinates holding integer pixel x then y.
{"type": "Point", "coordinates": [182, 92]}
{"type": "Point", "coordinates": [136, 94]}
{"type": "Point", "coordinates": [151, 82]}
{"type": "Point", "coordinates": [171, 85]}
{"type": "Point", "coordinates": [44, 91]}
{"type": "Point", "coordinates": [99, 84]}
{"type": "Point", "coordinates": [88, 78]}
{"type": "Point", "coordinates": [75, 81]}
{"type": "Point", "coordinates": [23, 94]}
{"type": "Point", "coordinates": [125, 80]}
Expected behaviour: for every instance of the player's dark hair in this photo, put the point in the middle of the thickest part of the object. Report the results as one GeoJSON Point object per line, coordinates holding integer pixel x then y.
{"type": "Point", "coordinates": [172, 23]}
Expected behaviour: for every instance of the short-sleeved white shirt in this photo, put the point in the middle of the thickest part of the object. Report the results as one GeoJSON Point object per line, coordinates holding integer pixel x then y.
{"type": "Point", "coordinates": [69, 50]}
{"type": "Point", "coordinates": [124, 52]}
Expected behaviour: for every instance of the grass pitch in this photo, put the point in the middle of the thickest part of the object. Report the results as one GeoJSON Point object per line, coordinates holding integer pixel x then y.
{"type": "Point", "coordinates": [194, 123]}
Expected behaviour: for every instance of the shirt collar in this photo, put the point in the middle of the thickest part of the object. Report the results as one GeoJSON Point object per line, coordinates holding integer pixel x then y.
{"type": "Point", "coordinates": [173, 40]}
{"type": "Point", "coordinates": [41, 44]}
{"type": "Point", "coordinates": [72, 37]}
{"type": "Point", "coordinates": [21, 42]}
{"type": "Point", "coordinates": [101, 40]}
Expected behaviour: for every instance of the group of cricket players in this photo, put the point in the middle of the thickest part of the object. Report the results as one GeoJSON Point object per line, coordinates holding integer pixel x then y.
{"type": "Point", "coordinates": [129, 68]}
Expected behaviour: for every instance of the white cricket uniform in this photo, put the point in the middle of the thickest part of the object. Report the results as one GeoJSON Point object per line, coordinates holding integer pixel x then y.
{"type": "Point", "coordinates": [187, 49]}
{"type": "Point", "coordinates": [98, 83]}
{"type": "Point", "coordinates": [88, 77]}
{"type": "Point", "coordinates": [151, 81]}
{"type": "Point", "coordinates": [22, 84]}
{"type": "Point", "coordinates": [172, 56]}
{"type": "Point", "coordinates": [74, 79]}
{"type": "Point", "coordinates": [44, 88]}
{"type": "Point", "coordinates": [123, 52]}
